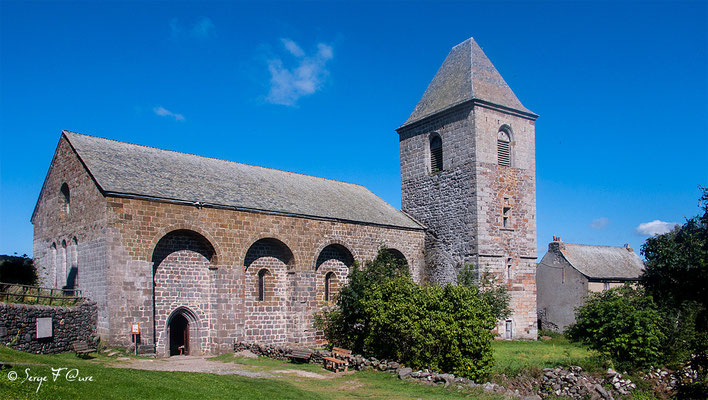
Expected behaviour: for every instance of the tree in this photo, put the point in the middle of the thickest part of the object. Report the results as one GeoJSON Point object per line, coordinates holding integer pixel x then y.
{"type": "Point", "coordinates": [490, 290]}
{"type": "Point", "coordinates": [676, 276]}
{"type": "Point", "coordinates": [17, 269]}
{"type": "Point", "coordinates": [676, 267]}
{"type": "Point", "coordinates": [623, 324]}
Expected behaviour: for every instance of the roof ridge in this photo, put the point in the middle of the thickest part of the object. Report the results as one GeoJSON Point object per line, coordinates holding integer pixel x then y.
{"type": "Point", "coordinates": [212, 158]}
{"type": "Point", "coordinates": [594, 245]}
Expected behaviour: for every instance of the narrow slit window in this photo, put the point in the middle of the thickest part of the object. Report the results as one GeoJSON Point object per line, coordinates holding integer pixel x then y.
{"type": "Point", "coordinates": [328, 286]}
{"type": "Point", "coordinates": [262, 284]}
{"type": "Point", "coordinates": [65, 197]}
{"type": "Point", "coordinates": [436, 154]}
{"type": "Point", "coordinates": [504, 149]}
{"type": "Point", "coordinates": [508, 268]}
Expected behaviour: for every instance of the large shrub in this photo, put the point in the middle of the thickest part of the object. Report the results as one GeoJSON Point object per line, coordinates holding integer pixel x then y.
{"type": "Point", "coordinates": [346, 324]}
{"type": "Point", "coordinates": [441, 328]}
{"type": "Point", "coordinates": [491, 290]}
{"type": "Point", "coordinates": [382, 313]}
{"type": "Point", "coordinates": [623, 324]}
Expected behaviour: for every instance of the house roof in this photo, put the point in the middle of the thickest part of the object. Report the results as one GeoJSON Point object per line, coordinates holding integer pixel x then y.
{"type": "Point", "coordinates": [466, 74]}
{"type": "Point", "coordinates": [128, 169]}
{"type": "Point", "coordinates": [603, 262]}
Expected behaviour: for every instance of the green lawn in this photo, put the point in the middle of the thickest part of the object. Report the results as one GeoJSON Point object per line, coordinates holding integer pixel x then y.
{"type": "Point", "coordinates": [114, 383]}
{"type": "Point", "coordinates": [511, 357]}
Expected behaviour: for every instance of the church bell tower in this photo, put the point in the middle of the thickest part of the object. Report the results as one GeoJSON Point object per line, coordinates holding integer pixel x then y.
{"type": "Point", "coordinates": [468, 174]}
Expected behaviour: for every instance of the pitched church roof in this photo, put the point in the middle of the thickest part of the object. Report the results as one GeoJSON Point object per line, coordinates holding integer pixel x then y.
{"type": "Point", "coordinates": [128, 169]}
{"type": "Point", "coordinates": [466, 74]}
{"type": "Point", "coordinates": [606, 262]}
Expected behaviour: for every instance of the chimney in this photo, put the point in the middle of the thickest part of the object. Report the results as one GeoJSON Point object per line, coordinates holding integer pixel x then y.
{"type": "Point", "coordinates": [626, 246]}
{"type": "Point", "coordinates": [556, 245]}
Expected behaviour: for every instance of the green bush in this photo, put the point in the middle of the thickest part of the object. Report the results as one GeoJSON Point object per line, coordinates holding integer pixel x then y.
{"type": "Point", "coordinates": [382, 313]}
{"type": "Point", "coordinates": [623, 324]}
{"type": "Point", "coordinates": [494, 293]}
{"type": "Point", "coordinates": [443, 328]}
{"type": "Point", "coordinates": [346, 323]}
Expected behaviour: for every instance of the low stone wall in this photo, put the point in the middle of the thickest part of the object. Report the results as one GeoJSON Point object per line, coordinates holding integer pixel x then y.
{"type": "Point", "coordinates": [18, 326]}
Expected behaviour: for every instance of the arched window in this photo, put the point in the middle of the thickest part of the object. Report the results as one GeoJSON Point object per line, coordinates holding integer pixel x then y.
{"type": "Point", "coordinates": [65, 197]}
{"type": "Point", "coordinates": [436, 154]}
{"type": "Point", "coordinates": [53, 270]}
{"type": "Point", "coordinates": [328, 286]}
{"type": "Point", "coordinates": [62, 270]}
{"type": "Point", "coordinates": [262, 274]}
{"type": "Point", "coordinates": [72, 278]}
{"type": "Point", "coordinates": [504, 148]}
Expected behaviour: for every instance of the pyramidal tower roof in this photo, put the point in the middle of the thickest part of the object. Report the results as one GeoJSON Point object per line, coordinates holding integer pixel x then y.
{"type": "Point", "coordinates": [466, 74]}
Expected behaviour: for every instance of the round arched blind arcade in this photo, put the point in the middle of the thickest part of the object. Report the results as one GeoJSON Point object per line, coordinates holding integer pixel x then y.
{"type": "Point", "coordinates": [436, 154]}
{"type": "Point", "coordinates": [504, 149]}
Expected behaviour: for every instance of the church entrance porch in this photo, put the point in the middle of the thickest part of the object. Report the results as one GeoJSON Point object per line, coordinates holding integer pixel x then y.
{"type": "Point", "coordinates": [179, 335]}
{"type": "Point", "coordinates": [182, 334]}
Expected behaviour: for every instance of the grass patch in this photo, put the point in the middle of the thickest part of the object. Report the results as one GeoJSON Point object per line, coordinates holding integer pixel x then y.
{"type": "Point", "coordinates": [512, 357]}
{"type": "Point", "coordinates": [115, 383]}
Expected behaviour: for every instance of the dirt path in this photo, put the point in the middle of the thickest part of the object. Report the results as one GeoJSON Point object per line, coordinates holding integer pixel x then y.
{"type": "Point", "coordinates": [203, 365]}
{"type": "Point", "coordinates": [189, 364]}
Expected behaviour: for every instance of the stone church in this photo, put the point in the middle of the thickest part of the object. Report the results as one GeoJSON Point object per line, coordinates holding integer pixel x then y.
{"type": "Point", "coordinates": [203, 252]}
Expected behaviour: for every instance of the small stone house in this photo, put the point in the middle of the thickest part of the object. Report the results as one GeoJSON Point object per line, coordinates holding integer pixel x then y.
{"type": "Point", "coordinates": [569, 272]}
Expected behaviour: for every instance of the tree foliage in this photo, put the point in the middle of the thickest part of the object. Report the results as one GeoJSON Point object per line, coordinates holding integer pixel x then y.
{"type": "Point", "coordinates": [383, 313]}
{"type": "Point", "coordinates": [623, 324]}
{"type": "Point", "coordinates": [18, 269]}
{"type": "Point", "coordinates": [491, 290]}
{"type": "Point", "coordinates": [676, 276]}
{"type": "Point", "coordinates": [677, 262]}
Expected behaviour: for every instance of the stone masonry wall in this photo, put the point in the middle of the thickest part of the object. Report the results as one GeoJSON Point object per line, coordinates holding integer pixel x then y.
{"type": "Point", "coordinates": [444, 201]}
{"type": "Point", "coordinates": [18, 326]}
{"type": "Point", "coordinates": [83, 224]}
{"type": "Point", "coordinates": [462, 205]}
{"type": "Point", "coordinates": [513, 187]}
{"type": "Point", "coordinates": [136, 226]}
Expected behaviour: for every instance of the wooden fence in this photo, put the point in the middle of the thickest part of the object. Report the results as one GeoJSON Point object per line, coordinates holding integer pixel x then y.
{"type": "Point", "coordinates": [16, 293]}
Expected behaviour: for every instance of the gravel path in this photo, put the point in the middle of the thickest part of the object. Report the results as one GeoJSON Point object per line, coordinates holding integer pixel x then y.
{"type": "Point", "coordinates": [189, 364]}
{"type": "Point", "coordinates": [203, 365]}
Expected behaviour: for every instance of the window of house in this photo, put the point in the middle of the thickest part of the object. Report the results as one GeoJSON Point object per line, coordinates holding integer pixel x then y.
{"type": "Point", "coordinates": [328, 286]}
{"type": "Point", "coordinates": [508, 268]}
{"type": "Point", "coordinates": [506, 216]}
{"type": "Point", "coordinates": [606, 286]}
{"type": "Point", "coordinates": [436, 154]}
{"type": "Point", "coordinates": [504, 148]}
{"type": "Point", "coordinates": [65, 197]}
{"type": "Point", "coordinates": [508, 327]}
{"type": "Point", "coordinates": [262, 274]}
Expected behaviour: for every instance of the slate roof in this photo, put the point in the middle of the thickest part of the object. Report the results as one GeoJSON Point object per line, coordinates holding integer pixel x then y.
{"type": "Point", "coordinates": [129, 169]}
{"type": "Point", "coordinates": [603, 262]}
{"type": "Point", "coordinates": [466, 74]}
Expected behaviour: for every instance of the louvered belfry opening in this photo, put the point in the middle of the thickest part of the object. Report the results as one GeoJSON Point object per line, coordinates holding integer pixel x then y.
{"type": "Point", "coordinates": [504, 149]}
{"type": "Point", "coordinates": [436, 154]}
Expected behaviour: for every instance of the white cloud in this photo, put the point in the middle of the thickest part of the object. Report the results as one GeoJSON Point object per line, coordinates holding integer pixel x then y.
{"type": "Point", "coordinates": [599, 223]}
{"type": "Point", "coordinates": [293, 48]}
{"type": "Point", "coordinates": [163, 112]}
{"type": "Point", "coordinates": [655, 227]}
{"type": "Point", "coordinates": [203, 27]}
{"type": "Point", "coordinates": [287, 85]}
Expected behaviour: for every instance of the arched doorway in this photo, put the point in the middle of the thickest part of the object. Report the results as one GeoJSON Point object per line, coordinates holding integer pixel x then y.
{"type": "Point", "coordinates": [179, 335]}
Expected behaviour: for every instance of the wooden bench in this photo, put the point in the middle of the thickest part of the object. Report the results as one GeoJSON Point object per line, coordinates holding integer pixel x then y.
{"type": "Point", "coordinates": [300, 355]}
{"type": "Point", "coordinates": [81, 348]}
{"type": "Point", "coordinates": [339, 359]}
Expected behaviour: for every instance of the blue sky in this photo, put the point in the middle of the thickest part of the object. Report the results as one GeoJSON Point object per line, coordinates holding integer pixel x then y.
{"type": "Point", "coordinates": [318, 88]}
